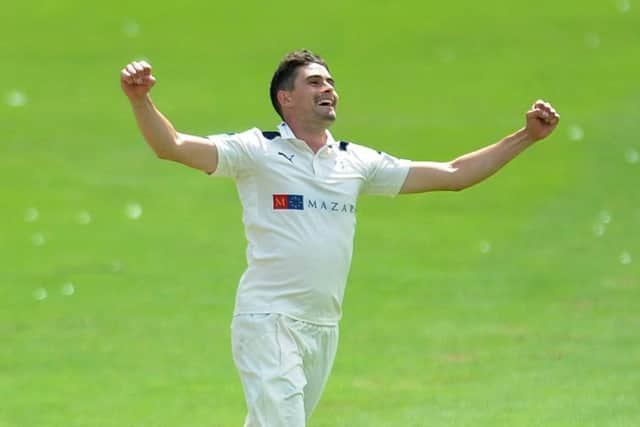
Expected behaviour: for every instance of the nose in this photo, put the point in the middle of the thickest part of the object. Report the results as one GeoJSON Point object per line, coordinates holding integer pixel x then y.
{"type": "Point", "coordinates": [327, 87]}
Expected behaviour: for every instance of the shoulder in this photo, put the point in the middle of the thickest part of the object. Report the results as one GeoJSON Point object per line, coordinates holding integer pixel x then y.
{"type": "Point", "coordinates": [359, 152]}
{"type": "Point", "coordinates": [262, 136]}
{"type": "Point", "coordinates": [253, 136]}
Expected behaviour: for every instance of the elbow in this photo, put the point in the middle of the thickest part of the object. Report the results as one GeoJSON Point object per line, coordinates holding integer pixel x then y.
{"type": "Point", "coordinates": [456, 187]}
{"type": "Point", "coordinates": [456, 178]}
{"type": "Point", "coordinates": [163, 154]}
{"type": "Point", "coordinates": [464, 185]}
{"type": "Point", "coordinates": [461, 177]}
{"type": "Point", "coordinates": [461, 184]}
{"type": "Point", "coordinates": [166, 151]}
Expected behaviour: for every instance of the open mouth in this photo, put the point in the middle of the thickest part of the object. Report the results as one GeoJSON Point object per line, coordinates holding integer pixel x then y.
{"type": "Point", "coordinates": [326, 103]}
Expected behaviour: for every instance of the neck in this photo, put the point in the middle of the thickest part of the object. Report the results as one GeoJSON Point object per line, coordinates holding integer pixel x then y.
{"type": "Point", "coordinates": [314, 136]}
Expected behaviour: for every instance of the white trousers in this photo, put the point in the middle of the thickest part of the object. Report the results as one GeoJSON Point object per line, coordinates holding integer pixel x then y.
{"type": "Point", "coordinates": [284, 365]}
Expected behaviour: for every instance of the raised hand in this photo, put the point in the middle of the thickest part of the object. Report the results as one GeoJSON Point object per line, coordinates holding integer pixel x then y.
{"type": "Point", "coordinates": [136, 79]}
{"type": "Point", "coordinates": [542, 119]}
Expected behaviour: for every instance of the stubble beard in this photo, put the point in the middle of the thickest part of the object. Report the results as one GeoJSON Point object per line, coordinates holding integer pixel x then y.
{"type": "Point", "coordinates": [327, 117]}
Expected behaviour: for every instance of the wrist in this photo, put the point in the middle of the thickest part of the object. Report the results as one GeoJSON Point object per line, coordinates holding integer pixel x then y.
{"type": "Point", "coordinates": [523, 136]}
{"type": "Point", "coordinates": [140, 101]}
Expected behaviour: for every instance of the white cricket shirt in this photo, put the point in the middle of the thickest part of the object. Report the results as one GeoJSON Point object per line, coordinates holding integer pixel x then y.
{"type": "Point", "coordinates": [299, 213]}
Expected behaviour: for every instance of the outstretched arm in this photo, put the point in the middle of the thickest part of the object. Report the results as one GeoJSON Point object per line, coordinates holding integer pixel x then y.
{"type": "Point", "coordinates": [197, 152]}
{"type": "Point", "coordinates": [476, 166]}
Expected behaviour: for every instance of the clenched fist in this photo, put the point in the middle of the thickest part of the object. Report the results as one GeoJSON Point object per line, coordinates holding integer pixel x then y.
{"type": "Point", "coordinates": [542, 119]}
{"type": "Point", "coordinates": [136, 79]}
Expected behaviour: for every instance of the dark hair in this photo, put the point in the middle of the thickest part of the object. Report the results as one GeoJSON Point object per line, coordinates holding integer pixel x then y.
{"type": "Point", "coordinates": [286, 73]}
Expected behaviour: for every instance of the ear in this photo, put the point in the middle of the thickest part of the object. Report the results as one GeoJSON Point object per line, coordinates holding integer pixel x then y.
{"type": "Point", "coordinates": [284, 98]}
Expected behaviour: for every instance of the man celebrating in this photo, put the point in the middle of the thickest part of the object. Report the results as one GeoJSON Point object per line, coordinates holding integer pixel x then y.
{"type": "Point", "coordinates": [299, 189]}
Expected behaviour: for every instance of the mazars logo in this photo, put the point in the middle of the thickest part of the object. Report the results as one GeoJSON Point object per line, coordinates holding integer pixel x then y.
{"type": "Point", "coordinates": [297, 202]}
{"type": "Point", "coordinates": [288, 201]}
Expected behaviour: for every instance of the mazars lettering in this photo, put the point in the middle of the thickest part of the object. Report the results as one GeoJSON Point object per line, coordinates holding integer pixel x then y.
{"type": "Point", "coordinates": [331, 206]}
{"type": "Point", "coordinates": [297, 202]}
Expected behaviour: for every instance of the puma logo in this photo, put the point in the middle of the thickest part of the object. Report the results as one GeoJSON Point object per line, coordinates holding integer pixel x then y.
{"type": "Point", "coordinates": [290, 158]}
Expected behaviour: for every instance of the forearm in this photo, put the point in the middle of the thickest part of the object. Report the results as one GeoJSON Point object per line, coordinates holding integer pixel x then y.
{"type": "Point", "coordinates": [476, 166]}
{"type": "Point", "coordinates": [157, 130]}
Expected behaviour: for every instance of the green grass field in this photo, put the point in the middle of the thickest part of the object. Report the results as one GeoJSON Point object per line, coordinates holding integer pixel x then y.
{"type": "Point", "coordinates": [514, 303]}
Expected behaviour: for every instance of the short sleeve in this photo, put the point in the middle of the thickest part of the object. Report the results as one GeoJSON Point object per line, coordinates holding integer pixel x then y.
{"type": "Point", "coordinates": [236, 151]}
{"type": "Point", "coordinates": [386, 174]}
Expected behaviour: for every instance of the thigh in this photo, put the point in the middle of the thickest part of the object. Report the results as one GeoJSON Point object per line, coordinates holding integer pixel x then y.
{"type": "Point", "coordinates": [270, 369]}
{"type": "Point", "coordinates": [318, 345]}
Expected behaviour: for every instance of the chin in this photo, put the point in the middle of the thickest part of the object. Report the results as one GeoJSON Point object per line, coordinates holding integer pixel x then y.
{"type": "Point", "coordinates": [331, 117]}
{"type": "Point", "coordinates": [328, 115]}
{"type": "Point", "coordinates": [325, 120]}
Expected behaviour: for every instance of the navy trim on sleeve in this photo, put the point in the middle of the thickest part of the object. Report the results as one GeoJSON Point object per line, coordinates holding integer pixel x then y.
{"type": "Point", "coordinates": [270, 134]}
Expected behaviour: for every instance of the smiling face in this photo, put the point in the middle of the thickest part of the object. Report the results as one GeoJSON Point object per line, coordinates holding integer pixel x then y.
{"type": "Point", "coordinates": [313, 98]}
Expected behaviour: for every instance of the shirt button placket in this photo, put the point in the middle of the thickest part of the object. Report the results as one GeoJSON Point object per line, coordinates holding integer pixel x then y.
{"type": "Point", "coordinates": [318, 158]}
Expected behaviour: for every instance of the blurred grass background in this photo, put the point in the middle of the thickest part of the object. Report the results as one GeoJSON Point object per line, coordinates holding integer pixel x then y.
{"type": "Point", "coordinates": [514, 303]}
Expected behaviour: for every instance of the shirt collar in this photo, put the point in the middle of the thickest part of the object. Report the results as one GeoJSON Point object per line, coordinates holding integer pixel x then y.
{"type": "Point", "coordinates": [287, 133]}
